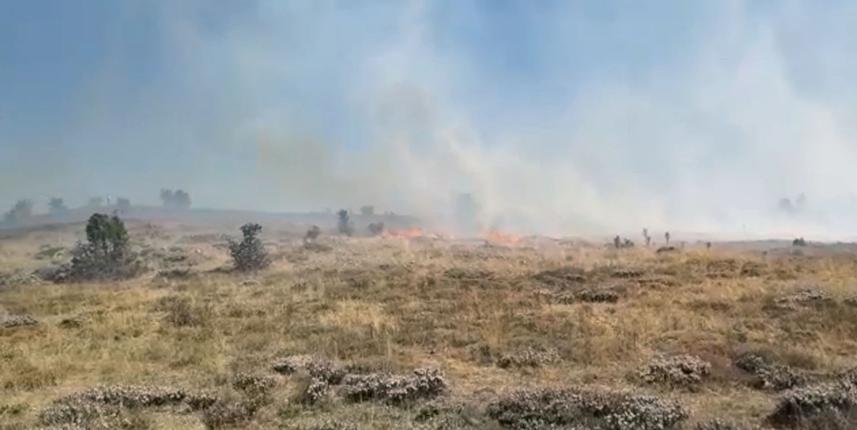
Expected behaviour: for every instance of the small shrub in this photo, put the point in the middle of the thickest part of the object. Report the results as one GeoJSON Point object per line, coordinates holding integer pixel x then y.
{"type": "Point", "coordinates": [228, 414]}
{"type": "Point", "coordinates": [312, 234]}
{"type": "Point", "coordinates": [250, 253]}
{"type": "Point", "coordinates": [376, 228]}
{"type": "Point", "coordinates": [181, 312]}
{"type": "Point", "coordinates": [528, 357]}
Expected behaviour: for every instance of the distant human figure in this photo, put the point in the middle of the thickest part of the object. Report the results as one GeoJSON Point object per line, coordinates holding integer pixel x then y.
{"type": "Point", "coordinates": [647, 237]}
{"type": "Point", "coordinates": [667, 237]}
{"type": "Point", "coordinates": [617, 242]}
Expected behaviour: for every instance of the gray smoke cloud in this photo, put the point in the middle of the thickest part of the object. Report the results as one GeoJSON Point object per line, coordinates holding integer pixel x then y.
{"type": "Point", "coordinates": [311, 105]}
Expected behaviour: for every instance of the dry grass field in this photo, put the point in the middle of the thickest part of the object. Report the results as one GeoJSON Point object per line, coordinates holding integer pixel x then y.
{"type": "Point", "coordinates": [521, 336]}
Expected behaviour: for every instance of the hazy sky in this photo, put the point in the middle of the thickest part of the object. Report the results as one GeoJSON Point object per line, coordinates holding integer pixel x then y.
{"type": "Point", "coordinates": [559, 117]}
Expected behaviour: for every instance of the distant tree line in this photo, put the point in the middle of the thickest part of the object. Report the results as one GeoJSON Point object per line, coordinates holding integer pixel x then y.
{"type": "Point", "coordinates": [178, 199]}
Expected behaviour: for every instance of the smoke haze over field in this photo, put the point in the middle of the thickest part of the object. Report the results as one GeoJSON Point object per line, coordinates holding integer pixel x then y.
{"type": "Point", "coordinates": [558, 117]}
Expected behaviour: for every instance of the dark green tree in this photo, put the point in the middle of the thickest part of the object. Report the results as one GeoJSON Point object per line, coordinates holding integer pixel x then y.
{"type": "Point", "coordinates": [249, 254]}
{"type": "Point", "coordinates": [106, 254]}
{"type": "Point", "coordinates": [344, 224]}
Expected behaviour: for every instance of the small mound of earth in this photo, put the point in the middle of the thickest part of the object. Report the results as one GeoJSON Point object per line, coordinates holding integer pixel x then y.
{"type": "Point", "coordinates": [577, 408]}
{"type": "Point", "coordinates": [684, 371]}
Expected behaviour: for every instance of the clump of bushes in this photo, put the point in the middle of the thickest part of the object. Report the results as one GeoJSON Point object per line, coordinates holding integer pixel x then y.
{"type": "Point", "coordinates": [104, 407]}
{"type": "Point", "coordinates": [768, 375]}
{"type": "Point", "coordinates": [590, 409]}
{"type": "Point", "coordinates": [357, 387]}
{"type": "Point", "coordinates": [106, 254]}
{"type": "Point", "coordinates": [249, 254]}
{"type": "Point", "coordinates": [253, 384]}
{"type": "Point", "coordinates": [830, 406]}
{"type": "Point", "coordinates": [394, 389]}
{"type": "Point", "coordinates": [675, 371]}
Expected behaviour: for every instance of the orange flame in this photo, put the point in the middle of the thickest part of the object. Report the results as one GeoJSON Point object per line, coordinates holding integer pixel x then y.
{"type": "Point", "coordinates": [498, 237]}
{"type": "Point", "coordinates": [409, 233]}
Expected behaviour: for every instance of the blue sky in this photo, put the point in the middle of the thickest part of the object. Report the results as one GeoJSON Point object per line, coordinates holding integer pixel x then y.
{"type": "Point", "coordinates": [568, 115]}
